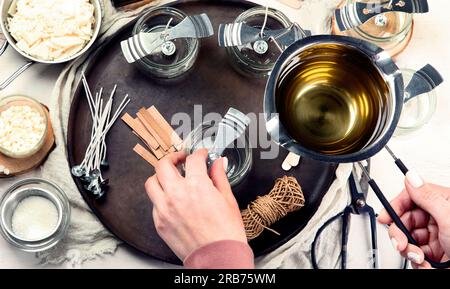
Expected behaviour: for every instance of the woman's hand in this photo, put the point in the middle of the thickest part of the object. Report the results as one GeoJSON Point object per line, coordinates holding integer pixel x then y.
{"type": "Point", "coordinates": [196, 210]}
{"type": "Point", "coordinates": [425, 211]}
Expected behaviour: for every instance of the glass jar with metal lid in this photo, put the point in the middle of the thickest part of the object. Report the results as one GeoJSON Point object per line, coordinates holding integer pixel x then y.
{"type": "Point", "coordinates": [174, 57]}
{"type": "Point", "coordinates": [391, 31]}
{"type": "Point", "coordinates": [253, 60]}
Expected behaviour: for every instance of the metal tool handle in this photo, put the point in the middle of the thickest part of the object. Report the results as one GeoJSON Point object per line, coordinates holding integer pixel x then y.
{"type": "Point", "coordinates": [16, 74]}
{"type": "Point", "coordinates": [3, 47]}
{"type": "Point", "coordinates": [423, 81]}
{"type": "Point", "coordinates": [355, 14]}
{"type": "Point", "coordinates": [316, 239]}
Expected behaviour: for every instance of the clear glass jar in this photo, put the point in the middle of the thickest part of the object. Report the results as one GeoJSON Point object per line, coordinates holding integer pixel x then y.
{"type": "Point", "coordinates": [37, 188]}
{"type": "Point", "coordinates": [160, 65]}
{"type": "Point", "coordinates": [418, 111]}
{"type": "Point", "coordinates": [10, 101]}
{"type": "Point", "coordinates": [239, 154]}
{"type": "Point", "coordinates": [393, 35]}
{"type": "Point", "coordinates": [243, 58]}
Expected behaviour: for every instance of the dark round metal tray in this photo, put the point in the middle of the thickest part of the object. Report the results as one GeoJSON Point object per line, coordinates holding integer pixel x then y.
{"type": "Point", "coordinates": [126, 210]}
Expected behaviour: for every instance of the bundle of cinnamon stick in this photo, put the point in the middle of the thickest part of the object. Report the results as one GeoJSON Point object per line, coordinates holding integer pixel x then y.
{"type": "Point", "coordinates": [155, 132]}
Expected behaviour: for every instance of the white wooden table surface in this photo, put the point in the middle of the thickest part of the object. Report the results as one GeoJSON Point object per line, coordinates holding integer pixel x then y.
{"type": "Point", "coordinates": [427, 151]}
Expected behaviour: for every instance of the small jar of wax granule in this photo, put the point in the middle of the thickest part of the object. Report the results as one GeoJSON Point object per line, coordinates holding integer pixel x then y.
{"type": "Point", "coordinates": [23, 126]}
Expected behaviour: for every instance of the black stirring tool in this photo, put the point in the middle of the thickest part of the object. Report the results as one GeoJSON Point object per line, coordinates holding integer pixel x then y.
{"type": "Point", "coordinates": [397, 221]}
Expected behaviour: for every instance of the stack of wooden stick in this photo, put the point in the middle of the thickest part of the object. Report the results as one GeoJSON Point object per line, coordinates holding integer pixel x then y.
{"type": "Point", "coordinates": [155, 132]}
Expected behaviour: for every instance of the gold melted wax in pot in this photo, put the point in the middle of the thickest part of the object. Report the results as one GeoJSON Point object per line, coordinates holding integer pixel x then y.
{"type": "Point", "coordinates": [332, 99]}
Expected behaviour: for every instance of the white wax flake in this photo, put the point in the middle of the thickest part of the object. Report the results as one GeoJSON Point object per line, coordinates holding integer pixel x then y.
{"type": "Point", "coordinates": [34, 218]}
{"type": "Point", "coordinates": [52, 29]}
{"type": "Point", "coordinates": [4, 170]}
{"type": "Point", "coordinates": [21, 129]}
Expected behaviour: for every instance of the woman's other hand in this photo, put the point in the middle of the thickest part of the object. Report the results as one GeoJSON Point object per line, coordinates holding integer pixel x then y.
{"type": "Point", "coordinates": [425, 210]}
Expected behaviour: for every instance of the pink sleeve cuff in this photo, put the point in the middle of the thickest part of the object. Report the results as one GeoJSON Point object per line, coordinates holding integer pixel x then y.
{"type": "Point", "coordinates": [226, 254]}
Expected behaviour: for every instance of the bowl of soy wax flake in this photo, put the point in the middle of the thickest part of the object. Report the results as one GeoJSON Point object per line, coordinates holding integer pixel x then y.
{"type": "Point", "coordinates": [34, 215]}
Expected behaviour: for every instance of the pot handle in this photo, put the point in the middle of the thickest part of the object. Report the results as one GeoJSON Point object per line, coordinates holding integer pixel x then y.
{"type": "Point", "coordinates": [3, 47]}
{"type": "Point", "coordinates": [423, 81]}
{"type": "Point", "coordinates": [355, 14]}
{"type": "Point", "coordinates": [16, 74]}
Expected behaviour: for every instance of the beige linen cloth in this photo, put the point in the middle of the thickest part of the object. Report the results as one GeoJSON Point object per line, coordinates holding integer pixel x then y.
{"type": "Point", "coordinates": [87, 238]}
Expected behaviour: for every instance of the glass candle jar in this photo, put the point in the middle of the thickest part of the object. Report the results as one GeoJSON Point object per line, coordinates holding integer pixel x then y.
{"type": "Point", "coordinates": [26, 130]}
{"type": "Point", "coordinates": [391, 31]}
{"type": "Point", "coordinates": [166, 62]}
{"type": "Point", "coordinates": [418, 111]}
{"type": "Point", "coordinates": [34, 215]}
{"type": "Point", "coordinates": [239, 154]}
{"type": "Point", "coordinates": [244, 58]}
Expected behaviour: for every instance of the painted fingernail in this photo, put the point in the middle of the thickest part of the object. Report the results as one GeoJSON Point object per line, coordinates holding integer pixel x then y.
{"type": "Point", "coordinates": [414, 179]}
{"type": "Point", "coordinates": [394, 243]}
{"type": "Point", "coordinates": [414, 257]}
{"type": "Point", "coordinates": [225, 163]}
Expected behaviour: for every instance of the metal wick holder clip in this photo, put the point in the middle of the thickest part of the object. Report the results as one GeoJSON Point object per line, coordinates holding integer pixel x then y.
{"type": "Point", "coordinates": [232, 126]}
{"type": "Point", "coordinates": [148, 43]}
{"type": "Point", "coordinates": [423, 81]}
{"type": "Point", "coordinates": [241, 34]}
{"type": "Point", "coordinates": [355, 14]}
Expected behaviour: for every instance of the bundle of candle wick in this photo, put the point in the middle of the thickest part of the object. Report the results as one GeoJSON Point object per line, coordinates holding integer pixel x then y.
{"type": "Point", "coordinates": [285, 197]}
{"type": "Point", "coordinates": [95, 158]}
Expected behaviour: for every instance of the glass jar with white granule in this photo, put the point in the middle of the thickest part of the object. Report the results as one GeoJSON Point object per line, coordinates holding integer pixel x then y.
{"type": "Point", "coordinates": [34, 215]}
{"type": "Point", "coordinates": [23, 126]}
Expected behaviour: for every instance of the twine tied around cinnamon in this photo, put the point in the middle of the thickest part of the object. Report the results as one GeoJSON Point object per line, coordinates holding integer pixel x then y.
{"type": "Point", "coordinates": [285, 197]}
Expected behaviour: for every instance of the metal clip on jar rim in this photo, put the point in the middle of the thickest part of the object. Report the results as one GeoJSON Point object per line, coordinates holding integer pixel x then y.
{"type": "Point", "coordinates": [165, 41]}
{"type": "Point", "coordinates": [354, 14]}
{"type": "Point", "coordinates": [238, 152]}
{"type": "Point", "coordinates": [420, 98]}
{"type": "Point", "coordinates": [247, 39]}
{"type": "Point", "coordinates": [390, 29]}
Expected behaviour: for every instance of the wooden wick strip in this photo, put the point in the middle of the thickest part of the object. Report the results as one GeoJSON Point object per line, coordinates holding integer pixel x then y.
{"type": "Point", "coordinates": [146, 155]}
{"type": "Point", "coordinates": [172, 136]}
{"type": "Point", "coordinates": [152, 127]}
{"type": "Point", "coordinates": [159, 152]}
{"type": "Point", "coordinates": [139, 128]}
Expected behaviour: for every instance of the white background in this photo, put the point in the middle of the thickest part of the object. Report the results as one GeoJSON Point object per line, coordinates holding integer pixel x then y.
{"type": "Point", "coordinates": [427, 151]}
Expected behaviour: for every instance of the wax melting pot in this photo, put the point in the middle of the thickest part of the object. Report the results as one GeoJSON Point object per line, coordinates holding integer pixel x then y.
{"type": "Point", "coordinates": [388, 24]}
{"type": "Point", "coordinates": [339, 99]}
{"type": "Point", "coordinates": [248, 39]}
{"type": "Point", "coordinates": [166, 41]}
